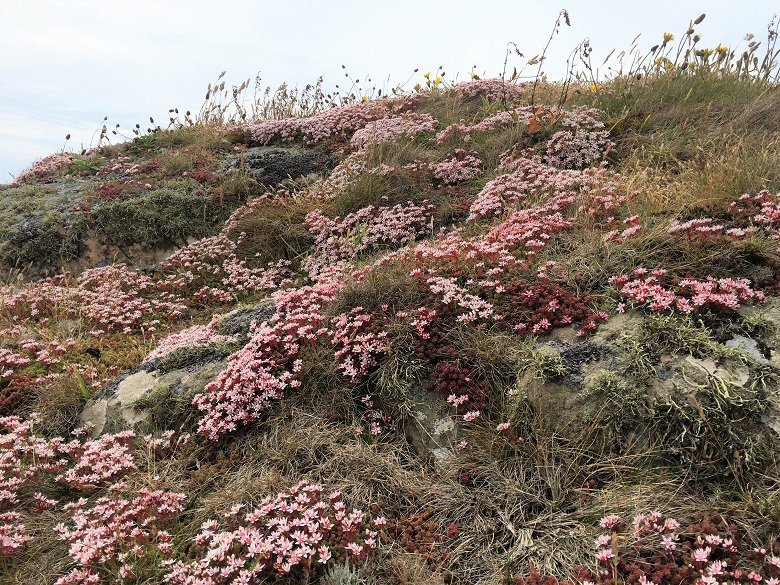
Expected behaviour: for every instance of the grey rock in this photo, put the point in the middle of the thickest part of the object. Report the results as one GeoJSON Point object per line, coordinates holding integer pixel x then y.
{"type": "Point", "coordinates": [124, 403]}
{"type": "Point", "coordinates": [270, 165]}
{"type": "Point", "coordinates": [563, 400]}
{"type": "Point", "coordinates": [749, 346]}
{"type": "Point", "coordinates": [239, 321]}
{"type": "Point", "coordinates": [576, 357]}
{"type": "Point", "coordinates": [430, 427]}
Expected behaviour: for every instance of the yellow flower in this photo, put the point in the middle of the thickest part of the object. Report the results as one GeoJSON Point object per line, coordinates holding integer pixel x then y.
{"type": "Point", "coordinates": [427, 74]}
{"type": "Point", "coordinates": [437, 81]}
{"type": "Point", "coordinates": [417, 87]}
{"type": "Point", "coordinates": [593, 87]}
{"type": "Point", "coordinates": [721, 49]}
{"type": "Point", "coordinates": [364, 98]}
{"type": "Point", "coordinates": [668, 37]}
{"type": "Point", "coordinates": [474, 75]}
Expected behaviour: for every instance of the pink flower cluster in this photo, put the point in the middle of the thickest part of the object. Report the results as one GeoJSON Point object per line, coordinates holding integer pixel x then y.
{"type": "Point", "coordinates": [582, 142]}
{"type": "Point", "coordinates": [335, 122]}
{"type": "Point", "coordinates": [212, 271]}
{"type": "Point", "coordinates": [690, 295]}
{"type": "Point", "coordinates": [106, 538]}
{"type": "Point", "coordinates": [763, 208]}
{"type": "Point", "coordinates": [491, 89]}
{"type": "Point", "coordinates": [23, 457]}
{"type": "Point", "coordinates": [528, 176]}
{"type": "Point", "coordinates": [27, 462]}
{"type": "Point", "coordinates": [297, 531]}
{"type": "Point", "coordinates": [643, 525]}
{"type": "Point", "coordinates": [259, 373]}
{"type": "Point", "coordinates": [582, 117]}
{"type": "Point", "coordinates": [576, 149]}
{"type": "Point", "coordinates": [343, 175]}
{"type": "Point", "coordinates": [462, 131]}
{"type": "Point", "coordinates": [119, 299]}
{"type": "Point", "coordinates": [195, 336]}
{"type": "Point", "coordinates": [80, 464]}
{"type": "Point", "coordinates": [450, 293]}
{"type": "Point", "coordinates": [701, 229]}
{"type": "Point", "coordinates": [454, 253]}
{"type": "Point", "coordinates": [13, 534]}
{"type": "Point", "coordinates": [375, 420]}
{"type": "Point", "coordinates": [709, 552]}
{"type": "Point", "coordinates": [167, 444]}
{"type": "Point", "coordinates": [111, 298]}
{"type": "Point", "coordinates": [11, 362]}
{"type": "Point", "coordinates": [369, 229]}
{"type": "Point", "coordinates": [621, 235]}
{"type": "Point", "coordinates": [529, 228]}
{"type": "Point", "coordinates": [389, 130]}
{"type": "Point", "coordinates": [44, 170]}
{"type": "Point", "coordinates": [462, 167]}
{"type": "Point", "coordinates": [358, 338]}
{"type": "Point", "coordinates": [122, 165]}
{"type": "Point", "coordinates": [98, 461]}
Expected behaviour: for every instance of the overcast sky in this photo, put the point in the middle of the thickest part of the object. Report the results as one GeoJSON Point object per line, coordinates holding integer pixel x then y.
{"type": "Point", "coordinates": [65, 65]}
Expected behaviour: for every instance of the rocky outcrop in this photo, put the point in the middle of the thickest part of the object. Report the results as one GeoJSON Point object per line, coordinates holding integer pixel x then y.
{"type": "Point", "coordinates": [270, 166]}
{"type": "Point", "coordinates": [126, 402]}
{"type": "Point", "coordinates": [614, 388]}
{"type": "Point", "coordinates": [430, 427]}
{"type": "Point", "coordinates": [72, 224]}
{"type": "Point", "coordinates": [163, 388]}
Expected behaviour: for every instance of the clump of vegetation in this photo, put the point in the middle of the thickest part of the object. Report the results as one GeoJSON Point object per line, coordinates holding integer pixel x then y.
{"type": "Point", "coordinates": [167, 215]}
{"type": "Point", "coordinates": [39, 226]}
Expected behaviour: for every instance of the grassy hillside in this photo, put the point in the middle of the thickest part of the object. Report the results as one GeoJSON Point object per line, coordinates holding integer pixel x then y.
{"type": "Point", "coordinates": [491, 332]}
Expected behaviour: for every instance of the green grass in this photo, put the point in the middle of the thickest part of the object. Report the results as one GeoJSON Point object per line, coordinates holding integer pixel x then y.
{"type": "Point", "coordinates": [170, 214]}
{"type": "Point", "coordinates": [38, 227]}
{"type": "Point", "coordinates": [693, 142]}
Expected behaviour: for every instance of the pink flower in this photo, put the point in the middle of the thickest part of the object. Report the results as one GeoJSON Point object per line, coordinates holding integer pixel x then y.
{"type": "Point", "coordinates": [717, 568]}
{"type": "Point", "coordinates": [700, 555]}
{"type": "Point", "coordinates": [471, 415]}
{"type": "Point", "coordinates": [324, 554]}
{"type": "Point", "coordinates": [603, 540]}
{"type": "Point", "coordinates": [355, 548]}
{"type": "Point", "coordinates": [604, 555]}
{"type": "Point", "coordinates": [670, 541]}
{"type": "Point", "coordinates": [610, 521]}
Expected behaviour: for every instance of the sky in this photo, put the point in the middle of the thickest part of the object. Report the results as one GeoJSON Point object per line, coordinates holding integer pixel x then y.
{"type": "Point", "coordinates": [65, 65]}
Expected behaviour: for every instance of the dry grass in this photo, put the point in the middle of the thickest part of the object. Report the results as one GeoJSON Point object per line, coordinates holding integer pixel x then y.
{"type": "Point", "coordinates": [719, 169]}
{"type": "Point", "coordinates": [693, 143]}
{"type": "Point", "coordinates": [275, 230]}
{"type": "Point", "coordinates": [586, 262]}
